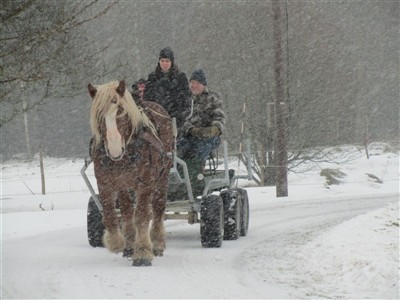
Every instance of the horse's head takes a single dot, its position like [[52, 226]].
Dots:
[[114, 117]]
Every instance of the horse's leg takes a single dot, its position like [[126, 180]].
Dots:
[[128, 227], [158, 203], [112, 238], [142, 251]]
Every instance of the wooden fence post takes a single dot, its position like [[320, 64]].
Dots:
[[42, 170]]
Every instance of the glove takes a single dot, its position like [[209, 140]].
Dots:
[[205, 132]]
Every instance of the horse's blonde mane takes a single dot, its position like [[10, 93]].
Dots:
[[102, 103]]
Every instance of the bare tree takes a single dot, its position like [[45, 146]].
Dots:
[[37, 42], [342, 75]]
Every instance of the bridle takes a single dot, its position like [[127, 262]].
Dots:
[[144, 135]]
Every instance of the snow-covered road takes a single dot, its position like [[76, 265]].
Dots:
[[55, 260], [339, 241]]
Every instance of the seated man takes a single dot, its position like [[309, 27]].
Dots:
[[203, 127]]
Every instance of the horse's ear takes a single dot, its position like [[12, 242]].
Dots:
[[92, 90], [121, 88]]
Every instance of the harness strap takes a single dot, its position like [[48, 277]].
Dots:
[[155, 142], [152, 140]]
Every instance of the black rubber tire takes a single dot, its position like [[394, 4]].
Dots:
[[244, 212], [232, 207], [95, 227], [211, 221]]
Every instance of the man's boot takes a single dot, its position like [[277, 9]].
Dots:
[[195, 168]]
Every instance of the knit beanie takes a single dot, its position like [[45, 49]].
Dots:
[[167, 53], [199, 76], [141, 80]]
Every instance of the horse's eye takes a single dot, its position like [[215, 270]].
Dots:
[[114, 100]]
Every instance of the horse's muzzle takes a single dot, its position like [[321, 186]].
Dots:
[[117, 157]]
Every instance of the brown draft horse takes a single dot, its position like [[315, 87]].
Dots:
[[131, 151]]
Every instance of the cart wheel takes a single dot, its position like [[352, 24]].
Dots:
[[211, 221], [244, 212], [231, 200], [95, 227]]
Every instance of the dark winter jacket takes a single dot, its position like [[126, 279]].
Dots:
[[170, 90], [207, 111]]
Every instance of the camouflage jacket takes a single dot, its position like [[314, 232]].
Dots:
[[206, 111]]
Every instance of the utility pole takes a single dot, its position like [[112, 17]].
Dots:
[[280, 106], [137, 37]]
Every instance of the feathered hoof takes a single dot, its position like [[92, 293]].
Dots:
[[158, 247], [128, 252], [141, 262], [115, 242], [158, 252]]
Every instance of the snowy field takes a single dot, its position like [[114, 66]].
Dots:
[[338, 241]]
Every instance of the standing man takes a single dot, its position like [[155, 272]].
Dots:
[[169, 87]]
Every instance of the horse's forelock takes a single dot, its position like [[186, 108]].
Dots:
[[100, 106]]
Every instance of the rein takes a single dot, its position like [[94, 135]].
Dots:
[[155, 112], [145, 136]]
